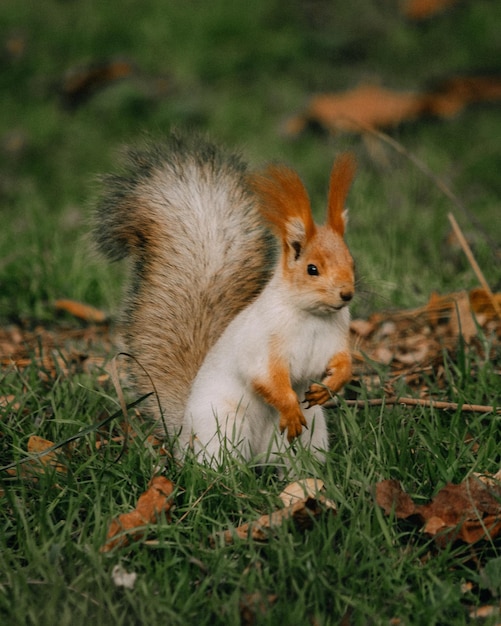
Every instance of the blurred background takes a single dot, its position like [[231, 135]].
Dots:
[[412, 87]]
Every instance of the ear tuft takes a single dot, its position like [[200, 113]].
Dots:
[[284, 202], [343, 172]]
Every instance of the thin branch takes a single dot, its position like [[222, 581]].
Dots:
[[432, 404], [476, 268]]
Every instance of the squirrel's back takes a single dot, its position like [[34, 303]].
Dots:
[[183, 212]]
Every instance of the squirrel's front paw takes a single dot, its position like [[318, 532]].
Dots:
[[292, 421], [337, 375], [317, 394]]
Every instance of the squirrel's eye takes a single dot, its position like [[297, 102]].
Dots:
[[312, 270]]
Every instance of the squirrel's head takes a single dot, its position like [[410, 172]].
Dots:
[[316, 262]]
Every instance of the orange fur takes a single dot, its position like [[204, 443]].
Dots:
[[276, 389], [284, 199], [337, 375], [341, 178]]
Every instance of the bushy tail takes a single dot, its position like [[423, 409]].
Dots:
[[183, 211]]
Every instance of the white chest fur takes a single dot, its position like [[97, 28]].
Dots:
[[223, 404]]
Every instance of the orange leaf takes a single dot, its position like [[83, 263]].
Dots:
[[36, 445], [82, 311], [155, 500], [369, 107], [422, 9], [481, 303], [355, 110]]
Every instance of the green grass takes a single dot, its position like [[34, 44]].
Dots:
[[238, 70], [357, 562]]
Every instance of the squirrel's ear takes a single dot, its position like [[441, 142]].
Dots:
[[342, 175], [284, 203], [295, 238]]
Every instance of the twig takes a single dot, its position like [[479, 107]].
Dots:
[[81, 433], [434, 404], [476, 268]]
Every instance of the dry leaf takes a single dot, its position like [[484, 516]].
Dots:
[[82, 311], [304, 502], [470, 511], [371, 107], [303, 489], [36, 445], [423, 9], [481, 303], [456, 310], [483, 612], [81, 82], [29, 469], [366, 106], [415, 343], [154, 501], [253, 606], [9, 402]]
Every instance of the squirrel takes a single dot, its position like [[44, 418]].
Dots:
[[231, 330]]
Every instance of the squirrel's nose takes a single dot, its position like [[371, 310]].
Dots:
[[346, 295]]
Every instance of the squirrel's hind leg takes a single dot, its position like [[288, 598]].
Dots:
[[223, 430]]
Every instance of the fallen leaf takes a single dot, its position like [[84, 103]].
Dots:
[[306, 502], [415, 344], [9, 402], [81, 82], [454, 309], [37, 445], [82, 311], [365, 106], [369, 107], [483, 612], [423, 9], [301, 489], [150, 505], [30, 469], [482, 303], [254, 606], [55, 351], [470, 511]]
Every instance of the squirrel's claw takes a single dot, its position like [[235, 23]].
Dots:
[[293, 422], [317, 394]]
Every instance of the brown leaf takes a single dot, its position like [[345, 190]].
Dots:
[[481, 303], [366, 106], [82, 311], [9, 401], [253, 606], [369, 107], [455, 310], [81, 82], [423, 9], [306, 503], [30, 469], [154, 501], [470, 511], [390, 496], [36, 445]]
